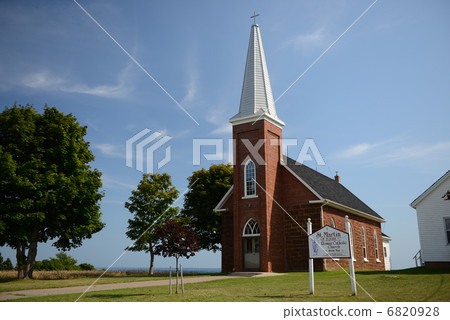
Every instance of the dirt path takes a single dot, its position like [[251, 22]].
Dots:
[[112, 286]]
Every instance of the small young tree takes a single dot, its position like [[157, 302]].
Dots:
[[177, 238], [150, 204]]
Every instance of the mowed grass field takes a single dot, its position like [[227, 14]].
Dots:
[[61, 279], [405, 285]]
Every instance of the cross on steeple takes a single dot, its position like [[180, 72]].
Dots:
[[254, 17]]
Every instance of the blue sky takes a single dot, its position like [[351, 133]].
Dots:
[[376, 103]]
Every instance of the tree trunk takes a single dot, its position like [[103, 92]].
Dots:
[[20, 257], [176, 285], [32, 252], [152, 260]]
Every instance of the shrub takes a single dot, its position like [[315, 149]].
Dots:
[[86, 266], [62, 262]]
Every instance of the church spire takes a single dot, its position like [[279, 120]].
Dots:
[[256, 98]]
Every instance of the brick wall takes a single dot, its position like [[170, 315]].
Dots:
[[297, 251], [357, 223], [227, 237], [261, 208]]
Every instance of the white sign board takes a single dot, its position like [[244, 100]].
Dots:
[[329, 242]]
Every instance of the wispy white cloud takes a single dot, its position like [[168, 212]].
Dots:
[[419, 152], [306, 42], [226, 128], [394, 151], [192, 87], [192, 83], [357, 150], [110, 149], [218, 117], [48, 81], [110, 182]]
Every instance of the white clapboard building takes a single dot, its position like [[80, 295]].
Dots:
[[433, 218]]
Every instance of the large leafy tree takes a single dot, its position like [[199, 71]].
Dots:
[[48, 190], [207, 189], [150, 204]]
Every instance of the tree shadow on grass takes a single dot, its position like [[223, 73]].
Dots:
[[435, 292], [114, 296], [419, 270]]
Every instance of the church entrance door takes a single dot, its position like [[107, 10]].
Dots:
[[251, 253], [250, 245]]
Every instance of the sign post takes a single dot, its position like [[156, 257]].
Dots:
[[328, 243], [350, 261], [311, 261]]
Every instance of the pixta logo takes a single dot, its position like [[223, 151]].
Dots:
[[307, 152], [141, 148]]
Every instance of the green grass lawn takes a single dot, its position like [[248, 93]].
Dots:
[[406, 285], [29, 284]]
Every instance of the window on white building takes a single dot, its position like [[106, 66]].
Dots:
[[447, 229]]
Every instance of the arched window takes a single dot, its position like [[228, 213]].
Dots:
[[333, 223], [364, 243], [375, 238], [249, 178], [251, 229]]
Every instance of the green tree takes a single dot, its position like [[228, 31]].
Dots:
[[201, 199], [68, 262], [86, 266], [5, 265], [150, 204], [177, 238], [48, 191]]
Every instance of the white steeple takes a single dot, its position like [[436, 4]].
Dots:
[[256, 98]]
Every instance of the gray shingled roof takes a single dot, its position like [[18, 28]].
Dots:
[[328, 188]]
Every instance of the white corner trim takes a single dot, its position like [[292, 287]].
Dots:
[[430, 189], [256, 117]]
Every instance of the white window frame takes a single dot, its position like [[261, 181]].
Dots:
[[364, 243], [377, 252], [254, 227], [246, 194]]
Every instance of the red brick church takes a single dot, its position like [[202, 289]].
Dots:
[[270, 191]]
